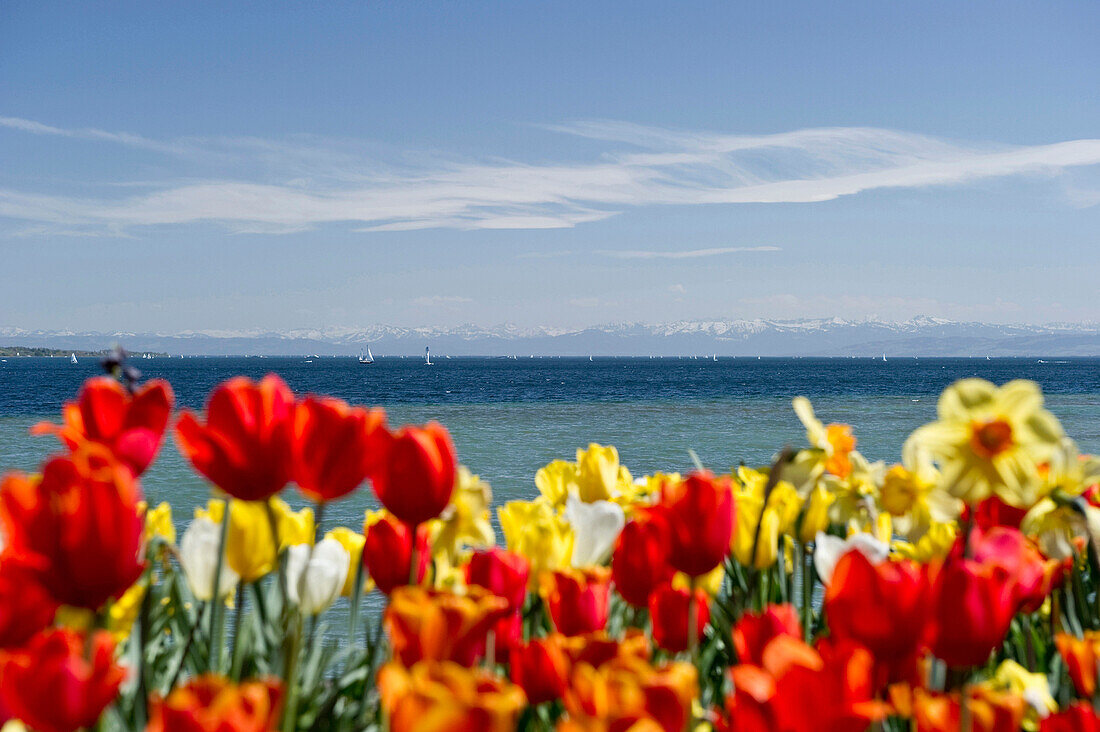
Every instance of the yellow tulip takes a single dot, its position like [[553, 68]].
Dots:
[[535, 530], [816, 516], [465, 521], [597, 473], [777, 518], [249, 548], [352, 541], [935, 543], [556, 481]]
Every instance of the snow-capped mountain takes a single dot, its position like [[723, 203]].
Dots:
[[923, 336]]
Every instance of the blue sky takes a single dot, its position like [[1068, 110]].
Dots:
[[242, 166]]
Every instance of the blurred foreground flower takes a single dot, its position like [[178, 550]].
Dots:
[[212, 703], [440, 696]]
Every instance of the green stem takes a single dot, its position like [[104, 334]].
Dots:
[[808, 595], [217, 607], [237, 612], [356, 599]]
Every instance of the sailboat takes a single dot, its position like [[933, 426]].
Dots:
[[884, 357], [715, 357], [368, 359], [72, 359], [428, 357]]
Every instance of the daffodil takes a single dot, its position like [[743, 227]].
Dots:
[[124, 611], [758, 526], [991, 440], [911, 494], [535, 530], [465, 521], [158, 522], [934, 543], [815, 517], [835, 441]]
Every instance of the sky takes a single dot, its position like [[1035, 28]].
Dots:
[[257, 166]]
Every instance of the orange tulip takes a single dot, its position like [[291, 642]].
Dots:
[[416, 474], [25, 605], [212, 703], [700, 515], [987, 711], [800, 689], [52, 687], [130, 426], [578, 599], [79, 527], [387, 553], [598, 648], [441, 626], [628, 691], [335, 447], [541, 668], [970, 608], [1081, 656], [882, 607], [245, 445], [1077, 717], [754, 631], [441, 696], [639, 563], [669, 609]]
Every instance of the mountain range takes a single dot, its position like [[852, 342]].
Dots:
[[923, 336]]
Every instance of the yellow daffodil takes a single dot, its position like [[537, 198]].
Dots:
[[249, 548], [1033, 687], [597, 473], [535, 530], [124, 611], [815, 519], [158, 522], [352, 541], [759, 525], [991, 440], [934, 543], [465, 522], [835, 441], [644, 491]]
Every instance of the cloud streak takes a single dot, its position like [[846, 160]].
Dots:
[[283, 186], [687, 254]]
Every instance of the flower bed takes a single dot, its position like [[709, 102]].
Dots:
[[954, 591]]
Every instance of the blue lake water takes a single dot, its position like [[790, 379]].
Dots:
[[510, 417]]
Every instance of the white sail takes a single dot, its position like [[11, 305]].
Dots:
[[72, 359], [427, 356]]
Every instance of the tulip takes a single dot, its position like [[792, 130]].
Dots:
[[815, 517], [212, 703], [445, 697], [388, 555], [244, 446], [1077, 717], [249, 548], [629, 693], [335, 447], [1081, 656], [829, 549], [465, 520], [315, 575], [1031, 576], [596, 526], [79, 527], [416, 474], [541, 668], [25, 605], [51, 686], [199, 559], [669, 609], [534, 530], [597, 473], [971, 606], [557, 481], [130, 426], [986, 711], [880, 606], [639, 563], [700, 515], [754, 631], [578, 600], [353, 544], [501, 572], [441, 626]]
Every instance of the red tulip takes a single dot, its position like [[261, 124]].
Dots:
[[669, 608], [79, 528], [970, 608], [335, 447], [754, 631], [700, 515], [214, 704], [639, 563], [25, 605], [442, 626], [994, 512], [245, 445], [1077, 717], [130, 426], [416, 475], [501, 572], [52, 687], [387, 553], [1031, 576], [880, 606], [597, 648], [578, 599], [541, 668]]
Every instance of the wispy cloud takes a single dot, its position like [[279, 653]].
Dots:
[[685, 254], [429, 300], [285, 186]]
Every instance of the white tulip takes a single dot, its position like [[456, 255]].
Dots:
[[596, 526], [829, 549], [315, 575], [199, 558]]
